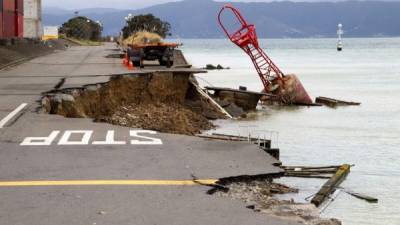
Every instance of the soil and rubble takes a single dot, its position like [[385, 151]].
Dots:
[[161, 101], [169, 102], [259, 193], [140, 38], [167, 118]]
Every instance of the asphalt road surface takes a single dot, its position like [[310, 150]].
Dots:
[[55, 170]]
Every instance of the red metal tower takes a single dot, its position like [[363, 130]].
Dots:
[[274, 80], [246, 38]]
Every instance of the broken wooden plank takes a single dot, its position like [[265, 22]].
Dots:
[[312, 169], [220, 138], [309, 167], [331, 102], [238, 91], [264, 143], [330, 186], [309, 104], [332, 198], [212, 101], [309, 172], [361, 196], [231, 138], [307, 176], [249, 138]]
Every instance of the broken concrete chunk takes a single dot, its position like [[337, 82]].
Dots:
[[63, 104], [235, 110], [46, 104], [92, 87], [64, 97], [244, 100]]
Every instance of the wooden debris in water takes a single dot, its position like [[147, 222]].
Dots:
[[331, 185], [310, 172], [331, 102], [361, 196]]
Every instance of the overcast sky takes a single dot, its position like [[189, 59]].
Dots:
[[127, 4], [78, 4]]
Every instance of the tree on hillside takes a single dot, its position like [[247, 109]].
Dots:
[[81, 27], [148, 23]]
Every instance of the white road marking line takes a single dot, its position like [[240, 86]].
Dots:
[[4, 121]]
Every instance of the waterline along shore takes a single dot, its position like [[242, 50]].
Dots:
[[121, 142]]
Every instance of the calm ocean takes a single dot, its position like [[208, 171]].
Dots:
[[368, 71]]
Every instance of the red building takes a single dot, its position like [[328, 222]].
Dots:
[[11, 18]]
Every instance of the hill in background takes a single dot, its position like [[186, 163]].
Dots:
[[197, 18]]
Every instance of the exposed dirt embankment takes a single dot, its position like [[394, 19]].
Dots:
[[162, 101]]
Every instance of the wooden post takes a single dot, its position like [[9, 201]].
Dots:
[[331, 185]]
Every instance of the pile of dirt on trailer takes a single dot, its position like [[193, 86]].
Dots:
[[155, 101], [259, 196], [142, 37], [13, 51]]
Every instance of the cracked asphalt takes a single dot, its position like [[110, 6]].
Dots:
[[38, 147]]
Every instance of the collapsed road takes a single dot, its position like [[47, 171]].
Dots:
[[59, 170], [165, 101]]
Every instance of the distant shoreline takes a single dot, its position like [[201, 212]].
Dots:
[[299, 38]]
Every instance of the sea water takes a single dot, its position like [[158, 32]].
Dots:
[[368, 136]]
